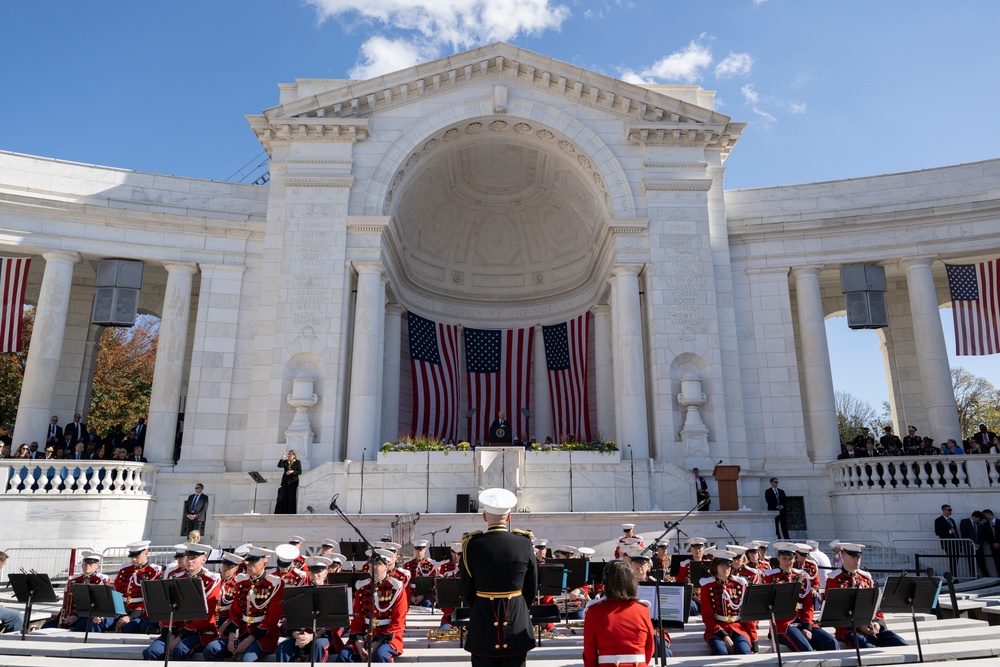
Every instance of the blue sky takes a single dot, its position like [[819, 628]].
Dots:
[[831, 90]]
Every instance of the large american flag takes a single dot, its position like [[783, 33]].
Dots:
[[566, 359], [975, 306], [498, 363], [13, 279], [434, 362]]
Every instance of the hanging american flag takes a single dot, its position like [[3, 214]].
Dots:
[[498, 363], [434, 362], [566, 359], [13, 279], [975, 306]]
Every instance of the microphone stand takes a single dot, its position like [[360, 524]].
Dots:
[[673, 525], [434, 533], [632, 465], [370, 624], [361, 500], [722, 524], [428, 506]]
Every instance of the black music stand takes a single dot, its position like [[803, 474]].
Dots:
[[903, 594], [596, 572], [169, 600], [769, 602], [258, 479], [354, 551], [849, 607], [577, 572], [675, 563], [322, 606], [96, 600], [342, 578], [422, 586], [31, 587], [699, 570], [439, 553], [449, 596]]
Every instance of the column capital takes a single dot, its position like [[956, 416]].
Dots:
[[626, 269], [222, 268], [61, 257], [811, 270], [921, 261], [368, 268], [181, 267], [394, 309], [602, 309]]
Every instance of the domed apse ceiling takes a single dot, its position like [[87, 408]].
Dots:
[[490, 219]]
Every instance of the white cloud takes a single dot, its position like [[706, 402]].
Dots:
[[797, 107], [735, 64], [628, 76], [750, 96], [758, 3], [607, 7], [380, 55], [687, 65]]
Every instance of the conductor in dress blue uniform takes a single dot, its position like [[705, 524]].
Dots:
[[498, 579]]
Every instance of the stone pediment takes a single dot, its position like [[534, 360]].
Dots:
[[340, 110]]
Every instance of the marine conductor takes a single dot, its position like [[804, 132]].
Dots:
[[498, 579]]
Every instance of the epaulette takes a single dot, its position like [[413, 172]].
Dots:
[[738, 579], [214, 576], [243, 576], [396, 583], [644, 602], [361, 583], [468, 536], [523, 533], [865, 574], [706, 581], [591, 603], [771, 572]]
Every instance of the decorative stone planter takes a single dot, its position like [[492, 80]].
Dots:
[[565, 458], [420, 458]]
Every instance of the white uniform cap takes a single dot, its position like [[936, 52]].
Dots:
[[135, 547], [850, 546], [497, 501], [88, 554], [691, 541], [761, 544], [750, 546], [736, 549], [789, 547], [318, 562], [456, 547], [813, 543], [564, 549], [231, 559], [287, 552], [804, 548], [835, 544], [386, 538], [392, 546], [629, 541], [243, 550], [721, 555], [180, 549], [420, 544], [383, 555], [329, 542], [338, 558], [197, 549], [663, 543], [635, 552], [257, 553], [295, 539], [586, 552], [628, 526]]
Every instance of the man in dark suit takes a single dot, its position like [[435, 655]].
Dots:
[[778, 502], [989, 524], [195, 511], [54, 435], [850, 452], [974, 528], [984, 437], [76, 428], [946, 529], [500, 430], [140, 431], [137, 455], [499, 577]]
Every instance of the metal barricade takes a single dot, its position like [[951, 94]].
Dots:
[[54, 562], [955, 555], [116, 557]]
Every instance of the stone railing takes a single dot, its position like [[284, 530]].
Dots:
[[77, 478], [915, 473]]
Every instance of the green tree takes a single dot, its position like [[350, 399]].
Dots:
[[123, 377], [854, 413], [978, 401], [12, 372]]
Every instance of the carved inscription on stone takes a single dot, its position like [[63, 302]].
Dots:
[[686, 282], [309, 296]]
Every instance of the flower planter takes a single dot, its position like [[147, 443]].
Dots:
[[420, 458], [576, 457]]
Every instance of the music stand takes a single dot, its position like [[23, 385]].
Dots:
[[673, 604], [96, 600], [449, 596], [849, 606], [312, 606], [31, 587], [769, 602], [422, 586], [699, 570], [169, 600], [596, 572], [576, 572], [903, 594], [258, 480], [675, 563], [440, 553], [342, 578]]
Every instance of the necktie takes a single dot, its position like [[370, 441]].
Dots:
[[194, 503]]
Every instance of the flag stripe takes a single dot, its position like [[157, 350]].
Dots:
[[566, 359], [434, 365], [975, 304], [13, 280]]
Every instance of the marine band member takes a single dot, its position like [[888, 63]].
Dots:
[[721, 601], [875, 634], [90, 566], [384, 638], [128, 582], [302, 645], [797, 632], [696, 546], [420, 566], [628, 537]]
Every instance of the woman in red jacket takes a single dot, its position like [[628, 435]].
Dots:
[[617, 629]]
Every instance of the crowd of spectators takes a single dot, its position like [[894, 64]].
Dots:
[[74, 440], [984, 441]]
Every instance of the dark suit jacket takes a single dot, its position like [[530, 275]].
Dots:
[[774, 499], [966, 530], [201, 510], [941, 528], [847, 456], [140, 435], [58, 436], [78, 431]]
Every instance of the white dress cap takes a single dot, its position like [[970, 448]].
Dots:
[[87, 554], [736, 549], [497, 501], [287, 552], [456, 547], [295, 539], [419, 544], [318, 562], [329, 542], [141, 545], [628, 526], [691, 541]]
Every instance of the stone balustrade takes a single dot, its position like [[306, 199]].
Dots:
[[77, 478], [895, 474]]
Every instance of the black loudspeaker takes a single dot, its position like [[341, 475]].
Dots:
[[864, 288], [463, 504]]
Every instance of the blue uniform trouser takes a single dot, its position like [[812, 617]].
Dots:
[[136, 625], [12, 620], [218, 650], [883, 639], [821, 640], [741, 645], [288, 651], [184, 649], [383, 653]]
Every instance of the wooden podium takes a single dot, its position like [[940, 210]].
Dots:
[[729, 496]]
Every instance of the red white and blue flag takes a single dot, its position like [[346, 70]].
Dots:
[[975, 307], [13, 279], [498, 364], [566, 359], [434, 362]]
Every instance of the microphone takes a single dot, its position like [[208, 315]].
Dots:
[[448, 529], [333, 502], [309, 508], [718, 524]]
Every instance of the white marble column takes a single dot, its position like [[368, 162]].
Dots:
[[363, 422], [824, 440], [42, 367], [940, 411], [541, 422], [604, 371], [390, 372], [629, 367], [165, 395]]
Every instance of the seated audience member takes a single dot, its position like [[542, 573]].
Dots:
[[22, 451], [927, 448], [11, 619], [890, 439], [911, 441], [972, 447], [951, 447]]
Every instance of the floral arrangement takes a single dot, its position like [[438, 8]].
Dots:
[[429, 444]]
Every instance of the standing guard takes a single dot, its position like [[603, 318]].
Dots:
[[499, 576]]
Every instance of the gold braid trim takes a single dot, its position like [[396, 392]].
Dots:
[[465, 542], [523, 533]]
